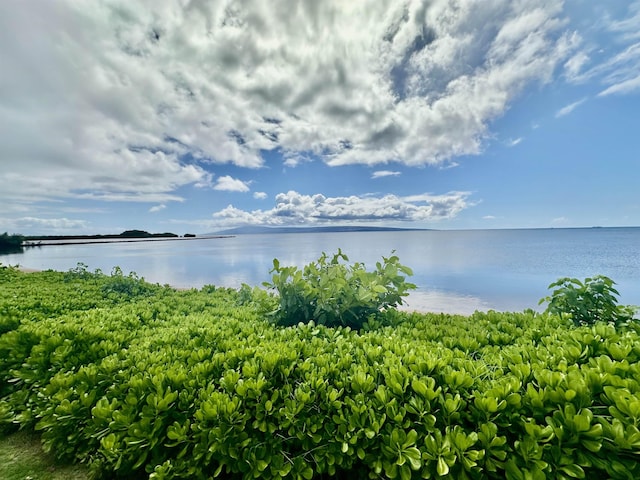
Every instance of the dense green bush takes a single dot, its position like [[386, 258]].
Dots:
[[588, 302], [116, 286], [331, 293], [196, 384], [11, 243]]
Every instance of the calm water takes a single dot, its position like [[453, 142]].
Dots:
[[456, 271]]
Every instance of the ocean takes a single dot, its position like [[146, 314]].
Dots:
[[456, 271]]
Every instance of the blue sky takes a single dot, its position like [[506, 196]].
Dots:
[[196, 116]]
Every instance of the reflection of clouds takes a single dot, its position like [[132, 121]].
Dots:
[[456, 272], [443, 302], [445, 251]]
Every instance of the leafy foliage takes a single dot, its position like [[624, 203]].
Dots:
[[127, 286], [197, 384], [11, 243], [331, 293], [588, 302], [117, 286]]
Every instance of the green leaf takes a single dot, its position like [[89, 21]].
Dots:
[[405, 472], [442, 467], [573, 470], [415, 457]]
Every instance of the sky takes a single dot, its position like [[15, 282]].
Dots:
[[193, 116]]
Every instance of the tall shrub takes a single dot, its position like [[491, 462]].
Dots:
[[335, 294], [588, 302], [11, 243]]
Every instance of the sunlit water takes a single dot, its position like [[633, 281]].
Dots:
[[456, 271]]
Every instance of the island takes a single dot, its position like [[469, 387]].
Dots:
[[126, 236]]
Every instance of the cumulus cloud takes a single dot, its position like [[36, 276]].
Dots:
[[260, 195], [118, 98], [384, 173], [293, 208], [569, 108], [230, 184]]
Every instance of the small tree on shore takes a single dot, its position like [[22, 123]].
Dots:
[[11, 243], [331, 293], [588, 302]]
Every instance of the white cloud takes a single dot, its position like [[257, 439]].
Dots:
[[110, 97], [513, 142], [574, 65], [231, 184], [384, 173], [616, 66], [629, 27], [260, 195], [489, 217], [157, 208], [627, 86], [35, 224], [293, 208], [569, 108], [619, 73]]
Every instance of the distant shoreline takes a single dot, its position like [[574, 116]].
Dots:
[[45, 243]]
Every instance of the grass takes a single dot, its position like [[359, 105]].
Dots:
[[22, 458]]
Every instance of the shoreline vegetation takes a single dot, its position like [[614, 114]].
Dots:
[[106, 239], [139, 380], [125, 234], [16, 243], [11, 243]]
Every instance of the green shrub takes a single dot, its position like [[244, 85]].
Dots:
[[197, 384], [127, 286], [334, 294], [588, 302], [11, 243]]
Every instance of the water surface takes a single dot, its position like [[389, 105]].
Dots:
[[456, 271]]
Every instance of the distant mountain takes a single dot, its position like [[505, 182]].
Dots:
[[351, 228]]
